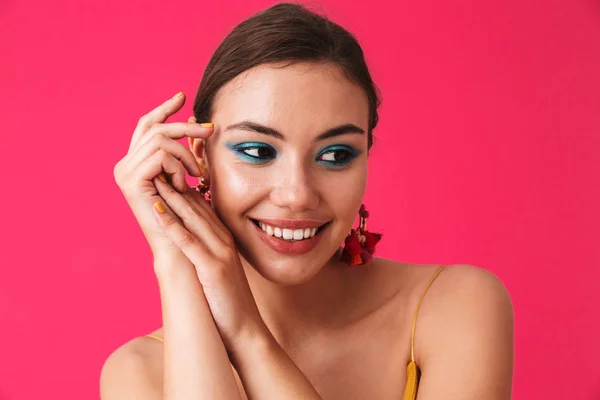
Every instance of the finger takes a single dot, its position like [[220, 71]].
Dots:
[[215, 220], [147, 170], [199, 202], [156, 198], [176, 149], [159, 114], [193, 219], [176, 130], [156, 164], [191, 245]]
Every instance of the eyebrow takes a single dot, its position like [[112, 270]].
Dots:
[[265, 130]]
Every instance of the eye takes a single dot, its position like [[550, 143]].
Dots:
[[337, 155], [254, 152], [258, 152]]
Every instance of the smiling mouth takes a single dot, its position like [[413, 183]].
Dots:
[[289, 235]]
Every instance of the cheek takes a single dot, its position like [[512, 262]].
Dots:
[[344, 192], [230, 181], [234, 187]]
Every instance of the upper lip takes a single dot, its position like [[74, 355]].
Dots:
[[292, 223]]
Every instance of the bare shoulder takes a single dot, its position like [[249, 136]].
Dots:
[[465, 295], [463, 301], [132, 371], [466, 315], [463, 290], [460, 277]]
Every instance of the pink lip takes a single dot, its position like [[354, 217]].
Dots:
[[292, 223], [285, 247]]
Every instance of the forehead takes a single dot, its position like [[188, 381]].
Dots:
[[300, 94]]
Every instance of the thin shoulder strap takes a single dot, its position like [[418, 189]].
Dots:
[[155, 337], [412, 336]]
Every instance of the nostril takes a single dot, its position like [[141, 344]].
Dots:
[[297, 198]]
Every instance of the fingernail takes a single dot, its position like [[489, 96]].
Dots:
[[178, 95], [161, 176], [207, 125], [200, 167], [159, 207]]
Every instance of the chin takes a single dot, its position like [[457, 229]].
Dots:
[[286, 272]]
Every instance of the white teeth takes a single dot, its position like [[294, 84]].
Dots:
[[288, 234]]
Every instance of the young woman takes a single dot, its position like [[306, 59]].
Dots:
[[260, 300]]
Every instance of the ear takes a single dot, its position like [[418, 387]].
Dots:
[[198, 149]]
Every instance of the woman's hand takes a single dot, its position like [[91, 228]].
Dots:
[[265, 369], [154, 149], [208, 244]]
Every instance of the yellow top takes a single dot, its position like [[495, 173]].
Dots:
[[156, 337], [412, 370]]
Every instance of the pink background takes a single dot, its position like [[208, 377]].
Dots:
[[488, 153]]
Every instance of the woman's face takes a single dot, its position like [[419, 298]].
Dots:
[[288, 158]]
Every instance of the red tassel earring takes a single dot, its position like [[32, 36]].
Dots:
[[359, 245], [203, 187]]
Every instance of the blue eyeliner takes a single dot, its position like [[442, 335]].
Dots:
[[241, 150], [350, 154], [264, 153]]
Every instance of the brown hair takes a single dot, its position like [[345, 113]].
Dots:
[[285, 32]]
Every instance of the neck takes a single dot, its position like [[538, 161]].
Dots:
[[325, 301]]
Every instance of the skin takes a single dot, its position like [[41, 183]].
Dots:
[[346, 329]]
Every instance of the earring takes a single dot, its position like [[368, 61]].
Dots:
[[359, 245], [204, 188]]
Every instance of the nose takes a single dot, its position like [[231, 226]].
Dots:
[[295, 189]]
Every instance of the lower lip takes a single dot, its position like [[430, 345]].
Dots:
[[285, 247]]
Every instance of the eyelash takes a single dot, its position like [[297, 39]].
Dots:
[[242, 148], [350, 154]]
